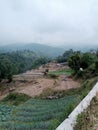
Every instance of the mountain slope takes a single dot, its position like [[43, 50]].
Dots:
[[37, 48]]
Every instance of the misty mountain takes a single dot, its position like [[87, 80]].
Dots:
[[37, 48], [80, 47]]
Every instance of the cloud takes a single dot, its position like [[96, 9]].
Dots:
[[49, 21]]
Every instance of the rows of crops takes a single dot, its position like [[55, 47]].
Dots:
[[5, 112], [37, 114]]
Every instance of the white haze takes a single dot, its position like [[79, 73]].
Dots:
[[52, 22]]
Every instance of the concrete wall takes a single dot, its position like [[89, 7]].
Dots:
[[68, 123]]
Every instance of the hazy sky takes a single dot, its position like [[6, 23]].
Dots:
[[49, 21]]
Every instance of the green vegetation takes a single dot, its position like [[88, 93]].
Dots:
[[45, 114], [40, 61], [62, 71], [5, 112], [19, 62], [39, 114], [87, 86], [84, 64], [52, 75], [64, 58], [55, 74], [88, 119], [15, 99], [39, 49]]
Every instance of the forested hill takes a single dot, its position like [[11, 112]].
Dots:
[[37, 48], [18, 62]]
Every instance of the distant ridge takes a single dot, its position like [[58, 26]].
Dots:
[[35, 47]]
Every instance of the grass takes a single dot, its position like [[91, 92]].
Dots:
[[15, 99], [63, 71], [88, 119], [52, 76]]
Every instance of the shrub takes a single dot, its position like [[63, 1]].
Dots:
[[54, 76], [16, 98]]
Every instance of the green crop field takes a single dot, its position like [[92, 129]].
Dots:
[[63, 71], [5, 112], [37, 114]]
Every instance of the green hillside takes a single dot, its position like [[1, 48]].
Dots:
[[19, 62], [37, 48]]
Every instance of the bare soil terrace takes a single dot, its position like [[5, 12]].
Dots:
[[33, 82]]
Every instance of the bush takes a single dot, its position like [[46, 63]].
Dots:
[[54, 76], [16, 98], [96, 65]]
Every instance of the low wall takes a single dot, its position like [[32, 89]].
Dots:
[[69, 123]]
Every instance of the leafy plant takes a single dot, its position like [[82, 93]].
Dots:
[[15, 99]]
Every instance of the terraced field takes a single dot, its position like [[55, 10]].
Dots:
[[5, 112], [67, 72], [38, 114]]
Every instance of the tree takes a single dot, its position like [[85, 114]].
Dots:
[[67, 54], [86, 60], [75, 61], [96, 65], [97, 54], [82, 61], [10, 77]]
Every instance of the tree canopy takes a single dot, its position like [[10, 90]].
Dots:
[[19, 62]]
